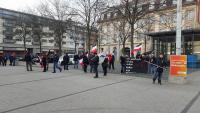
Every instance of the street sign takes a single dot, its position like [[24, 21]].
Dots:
[[178, 65]]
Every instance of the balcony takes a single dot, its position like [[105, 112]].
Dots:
[[9, 41], [36, 43]]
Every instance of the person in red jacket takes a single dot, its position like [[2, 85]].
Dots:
[[111, 60]]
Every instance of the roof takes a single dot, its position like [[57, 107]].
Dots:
[[173, 33]]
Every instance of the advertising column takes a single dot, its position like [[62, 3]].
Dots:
[[178, 69]]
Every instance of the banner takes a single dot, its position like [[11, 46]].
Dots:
[[178, 65]]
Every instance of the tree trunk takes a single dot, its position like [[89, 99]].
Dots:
[[24, 39], [60, 45], [145, 44], [132, 39], [75, 48], [123, 48], [40, 44], [88, 39]]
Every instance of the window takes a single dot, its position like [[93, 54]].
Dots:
[[43, 40], [174, 2], [189, 15], [174, 18], [151, 5], [51, 41], [162, 19], [63, 43], [105, 16]]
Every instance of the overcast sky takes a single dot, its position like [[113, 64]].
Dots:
[[18, 4]]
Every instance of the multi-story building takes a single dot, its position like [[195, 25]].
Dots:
[[17, 26], [159, 20]]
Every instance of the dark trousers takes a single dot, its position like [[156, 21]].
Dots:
[[45, 67], [91, 68], [158, 75], [123, 68], [66, 66], [105, 70], [111, 64], [13, 63], [29, 65], [85, 68], [4, 62], [76, 64], [96, 70]]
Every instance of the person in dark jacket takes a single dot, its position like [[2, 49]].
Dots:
[[55, 63], [28, 59], [44, 62], [76, 59], [91, 63], [14, 59], [105, 66], [11, 60], [153, 63], [85, 63], [1, 60], [66, 61], [95, 61], [161, 63], [123, 64]]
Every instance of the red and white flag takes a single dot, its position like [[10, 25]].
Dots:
[[94, 49]]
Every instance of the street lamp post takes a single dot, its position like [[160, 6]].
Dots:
[[178, 27]]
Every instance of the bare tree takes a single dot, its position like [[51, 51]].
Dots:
[[145, 26], [89, 11], [23, 28], [122, 27], [37, 31], [59, 11], [133, 11]]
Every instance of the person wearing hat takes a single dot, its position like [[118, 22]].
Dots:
[[95, 61]]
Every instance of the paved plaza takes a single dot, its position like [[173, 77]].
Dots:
[[76, 92]]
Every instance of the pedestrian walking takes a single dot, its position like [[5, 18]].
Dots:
[[5, 60], [95, 61], [123, 64], [85, 62], [153, 63], [105, 66], [55, 63], [66, 61], [44, 62], [11, 60], [28, 59], [161, 64], [76, 59], [1, 60], [14, 59], [90, 57]]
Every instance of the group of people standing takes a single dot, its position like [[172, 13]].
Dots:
[[5, 57], [155, 66], [93, 60]]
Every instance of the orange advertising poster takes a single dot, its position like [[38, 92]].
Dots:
[[178, 65]]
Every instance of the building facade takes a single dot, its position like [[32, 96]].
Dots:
[[38, 33], [160, 18]]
